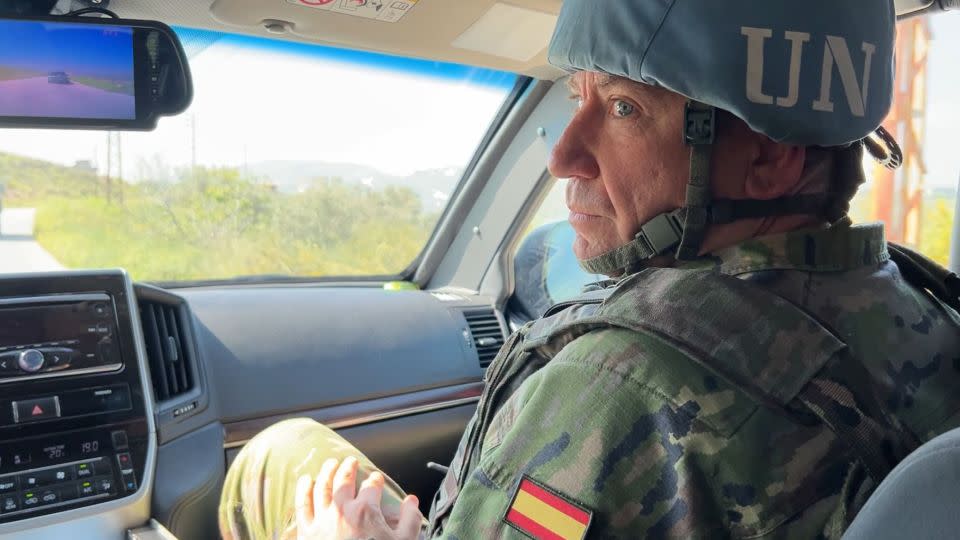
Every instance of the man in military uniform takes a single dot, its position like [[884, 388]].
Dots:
[[758, 363]]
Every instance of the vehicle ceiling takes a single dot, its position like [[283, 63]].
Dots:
[[429, 30]]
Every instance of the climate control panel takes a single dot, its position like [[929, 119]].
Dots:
[[57, 485], [52, 473]]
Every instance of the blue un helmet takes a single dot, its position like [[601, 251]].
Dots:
[[810, 72]]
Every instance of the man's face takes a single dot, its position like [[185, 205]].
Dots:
[[624, 157]]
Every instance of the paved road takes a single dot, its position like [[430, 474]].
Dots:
[[37, 97], [19, 251]]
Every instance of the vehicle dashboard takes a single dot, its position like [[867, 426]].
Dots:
[[122, 402]]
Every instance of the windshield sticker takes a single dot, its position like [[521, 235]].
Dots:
[[381, 10]]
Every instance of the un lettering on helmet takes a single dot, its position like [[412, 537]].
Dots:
[[836, 53]]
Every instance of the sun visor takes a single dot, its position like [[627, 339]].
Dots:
[[483, 33], [509, 32]]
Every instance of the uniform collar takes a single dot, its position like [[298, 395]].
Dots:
[[833, 249]]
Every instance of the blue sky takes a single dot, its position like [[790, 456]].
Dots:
[[80, 50]]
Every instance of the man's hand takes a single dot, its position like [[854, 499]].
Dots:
[[332, 509]]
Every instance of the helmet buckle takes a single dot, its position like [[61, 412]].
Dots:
[[699, 123], [662, 233]]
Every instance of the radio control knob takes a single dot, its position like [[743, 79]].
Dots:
[[31, 360]]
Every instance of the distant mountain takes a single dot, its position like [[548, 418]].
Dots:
[[433, 186]]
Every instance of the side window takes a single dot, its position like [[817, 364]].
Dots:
[[917, 202], [545, 268]]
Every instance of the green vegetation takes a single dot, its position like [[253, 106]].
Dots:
[[937, 228], [12, 73], [936, 225], [119, 87], [217, 223]]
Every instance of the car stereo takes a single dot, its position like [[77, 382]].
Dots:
[[74, 427], [57, 335]]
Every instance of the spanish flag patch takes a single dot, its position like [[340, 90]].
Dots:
[[543, 514]]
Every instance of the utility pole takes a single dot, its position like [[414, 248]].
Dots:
[[193, 142], [120, 167], [109, 163], [114, 164]]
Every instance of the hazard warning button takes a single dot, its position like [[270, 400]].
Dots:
[[31, 410]]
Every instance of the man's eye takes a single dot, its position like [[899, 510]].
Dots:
[[622, 108]]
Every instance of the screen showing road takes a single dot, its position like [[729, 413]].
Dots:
[[63, 70]]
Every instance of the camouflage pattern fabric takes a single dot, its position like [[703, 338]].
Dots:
[[628, 405], [257, 502]]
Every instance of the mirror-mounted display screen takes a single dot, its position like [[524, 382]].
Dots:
[[90, 73]]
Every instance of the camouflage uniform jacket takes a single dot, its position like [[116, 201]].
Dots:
[[618, 411]]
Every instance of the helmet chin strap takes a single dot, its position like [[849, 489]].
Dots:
[[681, 233], [683, 229]]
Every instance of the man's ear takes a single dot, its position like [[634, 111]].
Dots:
[[775, 171]]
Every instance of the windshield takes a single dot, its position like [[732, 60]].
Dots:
[[293, 160]]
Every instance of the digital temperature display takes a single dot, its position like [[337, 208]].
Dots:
[[89, 447], [55, 452], [62, 452]]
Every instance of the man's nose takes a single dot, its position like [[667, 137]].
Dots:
[[573, 156]]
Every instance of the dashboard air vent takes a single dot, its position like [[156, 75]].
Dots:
[[486, 332], [167, 353]]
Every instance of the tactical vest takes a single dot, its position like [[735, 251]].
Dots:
[[729, 330]]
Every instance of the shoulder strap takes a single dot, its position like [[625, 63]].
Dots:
[[858, 419], [591, 297], [920, 271]]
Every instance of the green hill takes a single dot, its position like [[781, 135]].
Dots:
[[27, 179], [217, 223]]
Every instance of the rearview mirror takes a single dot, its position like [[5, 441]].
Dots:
[[85, 73]]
